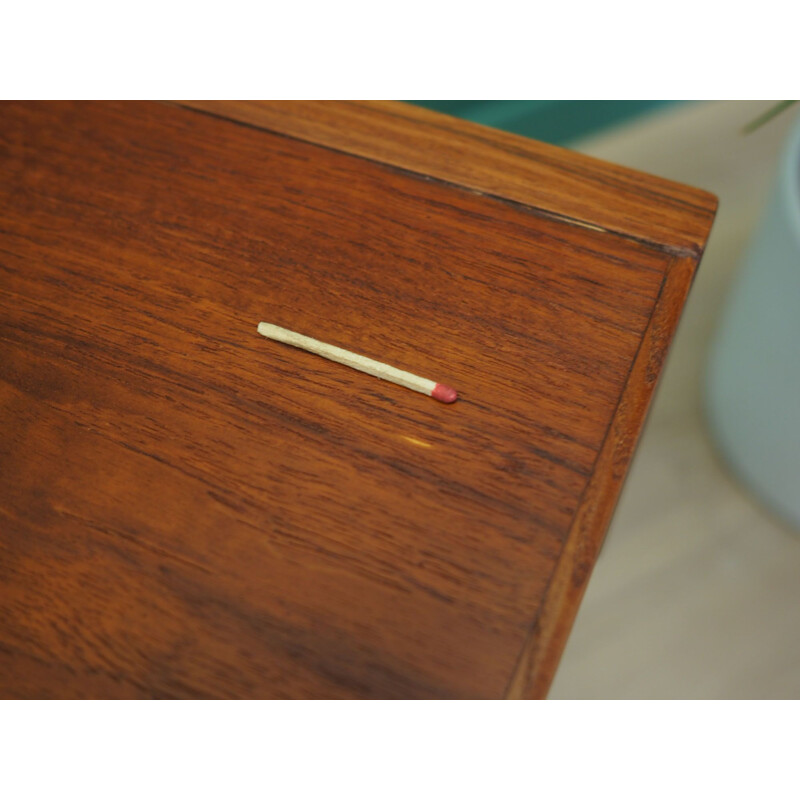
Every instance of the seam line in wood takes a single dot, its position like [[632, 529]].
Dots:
[[663, 247], [473, 134]]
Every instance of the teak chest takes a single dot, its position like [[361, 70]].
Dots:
[[190, 510]]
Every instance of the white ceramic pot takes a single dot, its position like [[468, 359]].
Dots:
[[753, 390]]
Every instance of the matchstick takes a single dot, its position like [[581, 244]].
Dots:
[[438, 391]]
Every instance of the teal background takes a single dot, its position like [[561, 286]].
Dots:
[[554, 121]]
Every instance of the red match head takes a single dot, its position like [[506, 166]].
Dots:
[[444, 394]]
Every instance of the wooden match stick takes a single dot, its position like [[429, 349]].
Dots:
[[438, 391]]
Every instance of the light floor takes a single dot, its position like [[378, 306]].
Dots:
[[696, 593]]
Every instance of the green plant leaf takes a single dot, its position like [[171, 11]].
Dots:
[[768, 115]]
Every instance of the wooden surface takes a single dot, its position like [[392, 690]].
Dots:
[[539, 176], [189, 510]]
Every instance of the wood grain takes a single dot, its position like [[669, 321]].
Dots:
[[188, 510], [540, 176]]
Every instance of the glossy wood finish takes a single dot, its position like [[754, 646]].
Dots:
[[189, 510], [549, 179]]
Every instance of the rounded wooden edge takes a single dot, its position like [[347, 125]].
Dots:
[[547, 638]]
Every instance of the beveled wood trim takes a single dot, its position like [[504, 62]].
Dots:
[[548, 179], [548, 635]]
